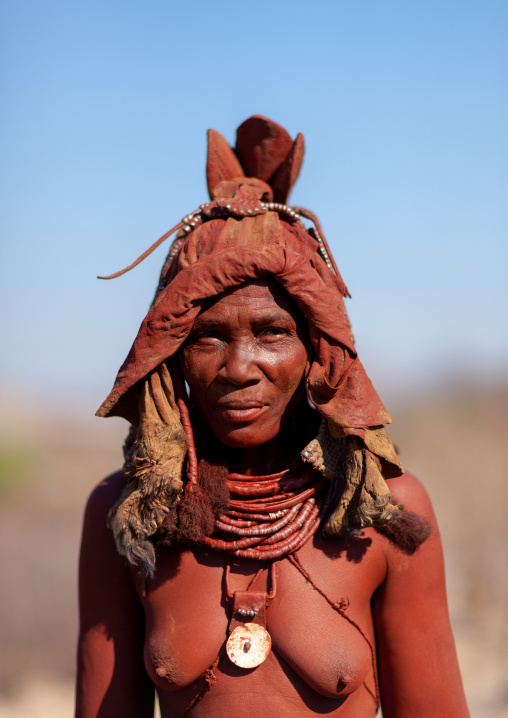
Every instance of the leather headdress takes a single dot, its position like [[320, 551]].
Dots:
[[247, 232]]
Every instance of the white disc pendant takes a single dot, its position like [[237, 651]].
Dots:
[[248, 645]]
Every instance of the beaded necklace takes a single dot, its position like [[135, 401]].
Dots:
[[270, 516]]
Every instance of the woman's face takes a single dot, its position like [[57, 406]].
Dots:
[[244, 362]]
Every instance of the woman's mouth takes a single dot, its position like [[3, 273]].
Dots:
[[239, 412]]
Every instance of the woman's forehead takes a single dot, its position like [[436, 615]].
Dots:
[[266, 291], [258, 296]]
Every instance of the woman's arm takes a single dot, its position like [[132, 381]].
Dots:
[[418, 669], [112, 680]]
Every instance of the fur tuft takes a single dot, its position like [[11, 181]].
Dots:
[[195, 515], [408, 531], [141, 555]]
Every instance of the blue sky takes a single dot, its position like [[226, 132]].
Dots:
[[105, 107]]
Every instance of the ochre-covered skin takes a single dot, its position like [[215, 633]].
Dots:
[[253, 316], [319, 662]]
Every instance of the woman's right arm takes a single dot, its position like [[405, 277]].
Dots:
[[112, 680]]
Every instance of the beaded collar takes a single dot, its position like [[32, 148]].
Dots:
[[270, 517]]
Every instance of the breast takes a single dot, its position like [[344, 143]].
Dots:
[[330, 657], [187, 624], [332, 651], [332, 667], [173, 663], [186, 621]]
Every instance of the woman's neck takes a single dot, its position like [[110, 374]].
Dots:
[[262, 460], [278, 453]]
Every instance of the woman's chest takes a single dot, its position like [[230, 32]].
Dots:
[[318, 615]]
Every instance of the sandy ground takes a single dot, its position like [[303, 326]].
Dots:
[[455, 442]]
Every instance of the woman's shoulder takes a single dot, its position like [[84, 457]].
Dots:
[[97, 543], [409, 491], [104, 495], [414, 525]]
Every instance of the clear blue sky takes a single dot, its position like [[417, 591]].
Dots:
[[105, 106]]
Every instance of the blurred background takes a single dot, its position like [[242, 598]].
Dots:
[[105, 106]]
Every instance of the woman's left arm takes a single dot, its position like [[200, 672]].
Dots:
[[418, 669]]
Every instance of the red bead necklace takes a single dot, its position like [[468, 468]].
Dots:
[[270, 517]]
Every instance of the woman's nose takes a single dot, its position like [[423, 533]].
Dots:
[[240, 366]]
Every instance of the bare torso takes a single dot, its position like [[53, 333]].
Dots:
[[320, 663], [318, 658]]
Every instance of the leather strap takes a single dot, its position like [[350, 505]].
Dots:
[[248, 601]]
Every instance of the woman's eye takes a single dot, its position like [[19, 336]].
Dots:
[[203, 338], [274, 332]]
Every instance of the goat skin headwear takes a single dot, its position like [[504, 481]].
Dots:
[[245, 233]]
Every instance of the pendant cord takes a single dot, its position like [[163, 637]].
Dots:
[[272, 568], [341, 607]]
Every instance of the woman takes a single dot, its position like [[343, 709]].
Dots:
[[267, 554]]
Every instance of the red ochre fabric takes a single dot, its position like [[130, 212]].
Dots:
[[220, 254]]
